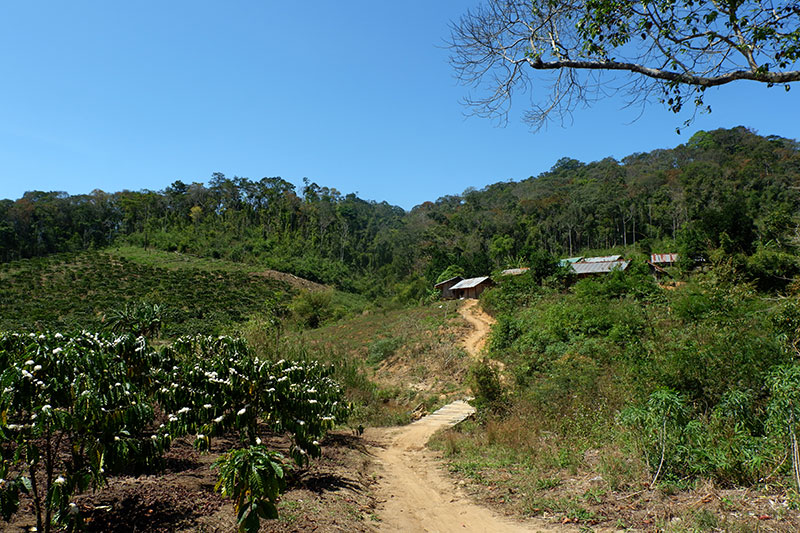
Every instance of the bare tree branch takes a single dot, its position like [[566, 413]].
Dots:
[[672, 48]]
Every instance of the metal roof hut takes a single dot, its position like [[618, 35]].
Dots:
[[514, 271], [588, 268], [446, 287], [602, 259], [664, 259], [568, 261], [472, 287]]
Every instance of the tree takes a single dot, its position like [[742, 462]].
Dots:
[[674, 49]]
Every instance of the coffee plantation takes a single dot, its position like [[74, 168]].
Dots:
[[76, 409]]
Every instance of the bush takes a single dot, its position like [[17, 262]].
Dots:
[[252, 477], [504, 332], [312, 308], [381, 349], [771, 269], [486, 386], [140, 319], [636, 281]]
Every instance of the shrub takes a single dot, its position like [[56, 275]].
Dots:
[[252, 477], [140, 319], [312, 308], [504, 332], [772, 269], [382, 348], [486, 386]]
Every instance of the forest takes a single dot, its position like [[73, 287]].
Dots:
[[724, 187]]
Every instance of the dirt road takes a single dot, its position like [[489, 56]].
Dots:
[[481, 325], [416, 495]]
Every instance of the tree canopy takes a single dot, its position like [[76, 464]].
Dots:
[[730, 189], [671, 50]]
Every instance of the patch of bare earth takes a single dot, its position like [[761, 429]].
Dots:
[[332, 495], [292, 280], [416, 495], [704, 508], [481, 324]]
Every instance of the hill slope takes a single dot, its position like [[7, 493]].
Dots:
[[78, 290]]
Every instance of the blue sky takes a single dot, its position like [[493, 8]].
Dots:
[[354, 95]]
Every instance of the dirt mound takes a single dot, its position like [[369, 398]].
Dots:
[[292, 280]]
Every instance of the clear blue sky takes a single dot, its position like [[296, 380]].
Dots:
[[356, 95]]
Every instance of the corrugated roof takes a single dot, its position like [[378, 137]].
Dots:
[[469, 283], [568, 261], [604, 259], [447, 281], [663, 258], [599, 267], [514, 271]]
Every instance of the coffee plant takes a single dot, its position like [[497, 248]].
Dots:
[[74, 410], [252, 477]]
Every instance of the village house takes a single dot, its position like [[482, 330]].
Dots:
[[568, 261], [591, 266], [446, 287], [472, 287], [514, 271], [663, 260]]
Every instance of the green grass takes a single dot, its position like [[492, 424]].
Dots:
[[76, 291], [392, 361], [177, 261]]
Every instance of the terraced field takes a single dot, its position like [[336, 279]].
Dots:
[[76, 291]]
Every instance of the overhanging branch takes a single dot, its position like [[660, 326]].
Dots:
[[667, 75]]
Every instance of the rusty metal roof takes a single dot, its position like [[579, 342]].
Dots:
[[604, 259], [469, 283], [663, 258], [599, 267]]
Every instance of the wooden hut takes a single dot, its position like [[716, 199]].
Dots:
[[585, 268], [472, 287], [446, 287]]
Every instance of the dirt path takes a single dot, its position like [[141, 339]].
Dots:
[[481, 325], [416, 495]]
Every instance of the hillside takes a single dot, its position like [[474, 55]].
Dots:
[[78, 290], [733, 182]]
